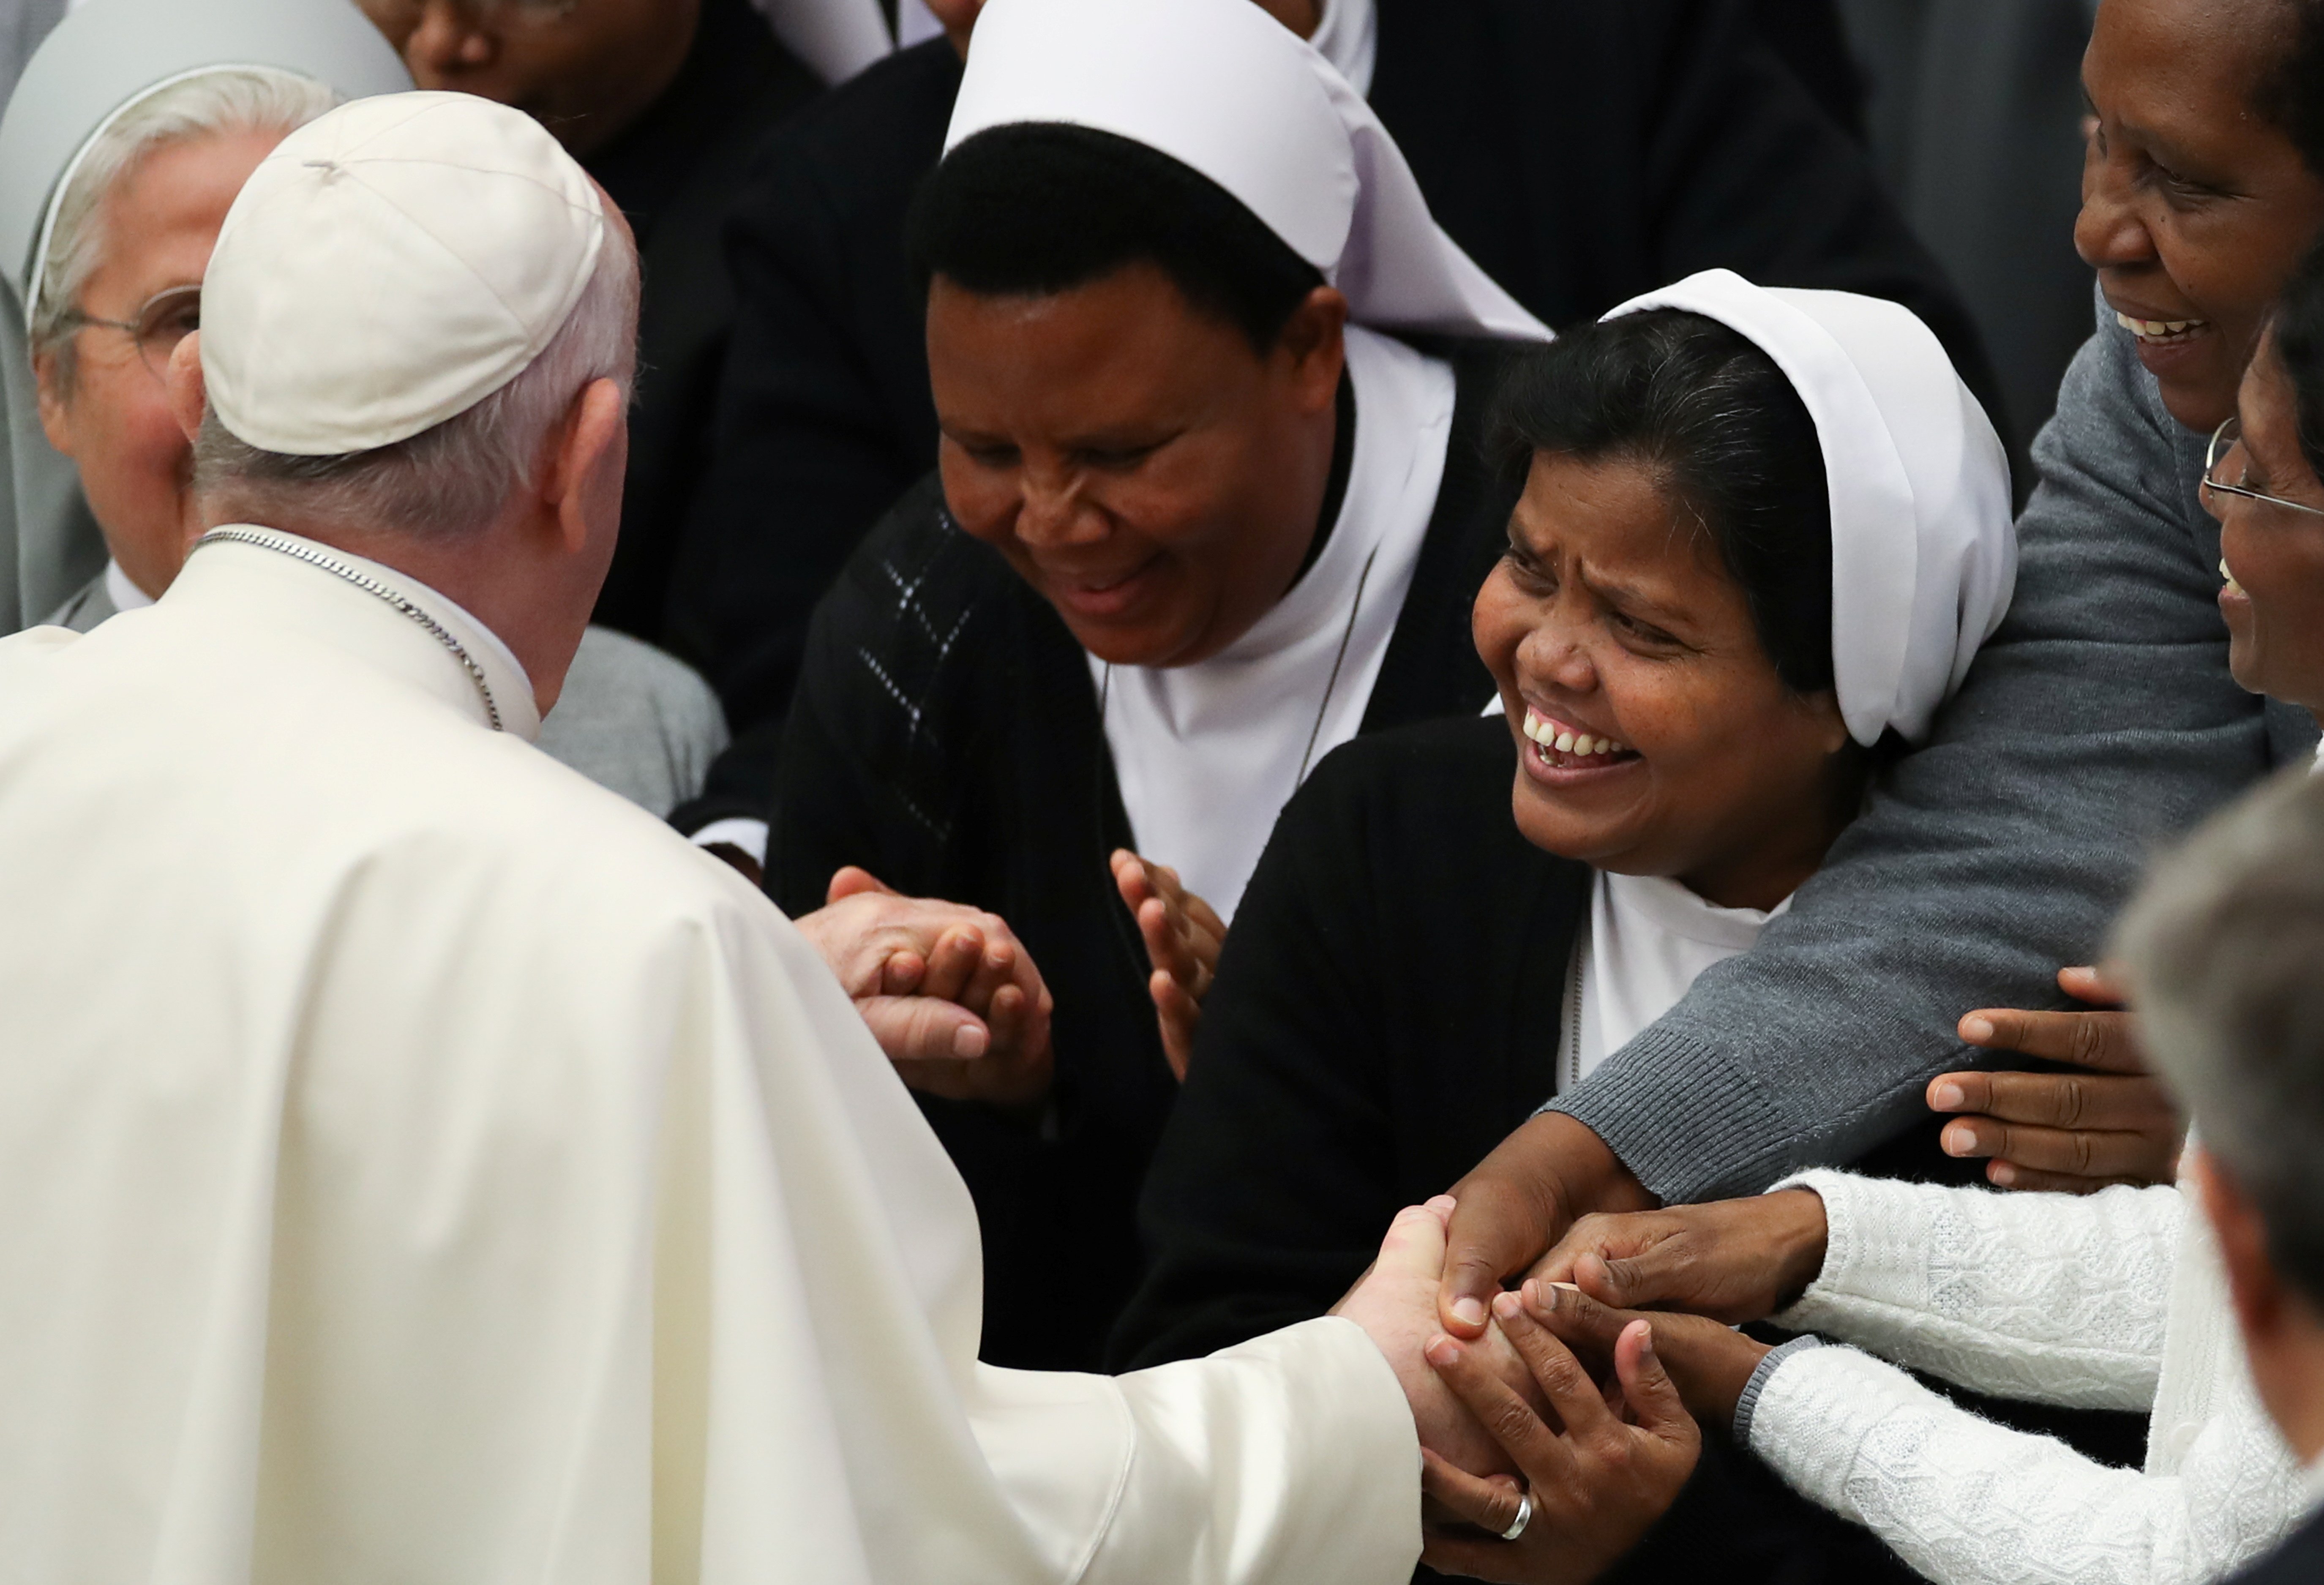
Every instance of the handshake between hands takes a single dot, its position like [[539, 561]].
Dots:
[[957, 1003], [1552, 1440]]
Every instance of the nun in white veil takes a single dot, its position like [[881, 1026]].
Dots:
[[104, 58]]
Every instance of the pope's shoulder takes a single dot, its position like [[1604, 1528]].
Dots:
[[321, 770]]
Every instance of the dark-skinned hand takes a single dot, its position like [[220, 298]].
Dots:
[[2076, 1132], [1517, 1202], [1183, 936], [1711, 1363], [1733, 1260], [1611, 1463], [949, 992]]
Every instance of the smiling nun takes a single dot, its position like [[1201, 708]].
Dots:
[[1763, 533], [1210, 503]]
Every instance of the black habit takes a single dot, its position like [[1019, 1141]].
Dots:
[[1583, 153], [947, 737], [675, 172]]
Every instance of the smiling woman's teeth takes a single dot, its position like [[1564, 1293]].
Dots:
[[1564, 739], [2161, 329], [2230, 577]]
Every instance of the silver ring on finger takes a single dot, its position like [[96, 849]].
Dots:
[[1525, 1517]]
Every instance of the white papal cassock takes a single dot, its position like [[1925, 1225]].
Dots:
[[419, 1164]]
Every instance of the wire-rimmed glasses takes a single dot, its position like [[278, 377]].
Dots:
[[164, 320], [2224, 440]]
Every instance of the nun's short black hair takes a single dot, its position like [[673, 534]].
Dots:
[[1041, 207], [1702, 407]]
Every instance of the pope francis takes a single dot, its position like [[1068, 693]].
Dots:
[[419, 1164]]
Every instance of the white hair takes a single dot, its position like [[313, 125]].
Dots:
[[455, 477], [228, 99], [2225, 948]]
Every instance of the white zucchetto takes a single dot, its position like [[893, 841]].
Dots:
[[388, 266], [1224, 88], [1923, 547]]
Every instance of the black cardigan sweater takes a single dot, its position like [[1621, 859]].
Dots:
[[946, 737], [1582, 152]]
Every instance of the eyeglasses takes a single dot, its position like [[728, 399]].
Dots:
[[167, 318], [2225, 439]]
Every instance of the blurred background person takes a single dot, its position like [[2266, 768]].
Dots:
[[1580, 154], [143, 151], [2224, 951], [664, 102], [23, 23], [1974, 111]]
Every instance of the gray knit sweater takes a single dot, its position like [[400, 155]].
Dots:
[[2099, 720]]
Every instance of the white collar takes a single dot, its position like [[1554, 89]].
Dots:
[[124, 595], [1206, 755], [1647, 939], [1677, 909], [269, 582]]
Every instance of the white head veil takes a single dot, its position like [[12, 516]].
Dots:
[[105, 58], [1923, 550], [1221, 86]]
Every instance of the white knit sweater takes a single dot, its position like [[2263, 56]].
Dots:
[[2117, 1302]]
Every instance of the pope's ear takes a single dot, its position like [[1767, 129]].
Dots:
[[183, 383], [592, 461]]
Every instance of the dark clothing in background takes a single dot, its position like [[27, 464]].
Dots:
[[1975, 111], [675, 174], [2300, 1561], [947, 737], [1581, 153], [823, 417]]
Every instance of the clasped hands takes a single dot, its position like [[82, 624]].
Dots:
[[1581, 1395], [1572, 1432], [955, 1000]]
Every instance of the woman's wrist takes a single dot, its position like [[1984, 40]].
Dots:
[[1800, 1233]]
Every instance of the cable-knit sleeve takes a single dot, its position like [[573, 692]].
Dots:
[[1967, 1502], [2050, 1298]]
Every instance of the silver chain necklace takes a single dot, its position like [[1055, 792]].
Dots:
[[373, 586]]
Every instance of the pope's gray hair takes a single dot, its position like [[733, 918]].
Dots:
[[237, 98], [455, 477], [2225, 949]]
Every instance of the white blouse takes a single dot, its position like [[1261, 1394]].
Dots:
[[1646, 939]]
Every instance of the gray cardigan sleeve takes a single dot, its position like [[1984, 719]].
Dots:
[[2099, 719]]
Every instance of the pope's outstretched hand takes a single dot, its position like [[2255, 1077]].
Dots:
[[1395, 1302]]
